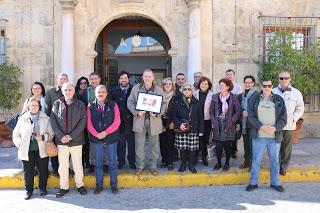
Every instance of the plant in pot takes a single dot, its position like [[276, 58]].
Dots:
[[283, 53], [10, 96]]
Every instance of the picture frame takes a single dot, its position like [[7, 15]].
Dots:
[[149, 102]]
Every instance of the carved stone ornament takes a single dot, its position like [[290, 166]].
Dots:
[[129, 1], [68, 4]]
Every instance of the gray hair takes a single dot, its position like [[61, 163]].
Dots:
[[198, 73], [185, 85], [101, 86], [66, 85], [62, 74], [284, 71]]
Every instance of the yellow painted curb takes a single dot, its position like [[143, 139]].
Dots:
[[174, 179]]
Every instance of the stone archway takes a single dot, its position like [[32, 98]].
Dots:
[[112, 57]]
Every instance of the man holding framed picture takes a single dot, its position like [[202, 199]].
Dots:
[[147, 105]]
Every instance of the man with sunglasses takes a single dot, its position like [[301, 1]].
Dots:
[[295, 108], [267, 115]]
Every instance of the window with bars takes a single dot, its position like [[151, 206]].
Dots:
[[2, 46], [302, 29]]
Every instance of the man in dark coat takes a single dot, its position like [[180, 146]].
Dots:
[[120, 95]]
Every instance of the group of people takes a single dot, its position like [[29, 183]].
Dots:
[[100, 129]]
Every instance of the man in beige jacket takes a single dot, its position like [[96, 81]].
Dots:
[[146, 122]]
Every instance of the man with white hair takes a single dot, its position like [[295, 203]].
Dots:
[[295, 108], [68, 120], [51, 96], [146, 122], [196, 77]]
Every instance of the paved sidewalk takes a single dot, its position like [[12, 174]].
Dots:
[[304, 167]]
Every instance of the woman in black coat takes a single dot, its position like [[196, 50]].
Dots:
[[187, 116]]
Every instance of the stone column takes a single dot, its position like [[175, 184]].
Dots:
[[194, 44], [67, 38]]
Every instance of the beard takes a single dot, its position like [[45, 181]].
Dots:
[[124, 83]]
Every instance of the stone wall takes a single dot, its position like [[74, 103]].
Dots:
[[229, 32]]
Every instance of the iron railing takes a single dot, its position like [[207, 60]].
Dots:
[[305, 30]]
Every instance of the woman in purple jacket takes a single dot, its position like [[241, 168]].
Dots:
[[224, 113]]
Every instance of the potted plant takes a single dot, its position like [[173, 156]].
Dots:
[[302, 63], [10, 96]]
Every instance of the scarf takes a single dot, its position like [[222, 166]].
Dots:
[[285, 89], [186, 100], [90, 94], [244, 105], [223, 100], [167, 97], [35, 123]]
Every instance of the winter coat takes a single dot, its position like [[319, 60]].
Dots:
[[22, 133], [69, 120]]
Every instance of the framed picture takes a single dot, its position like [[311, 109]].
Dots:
[[149, 102]]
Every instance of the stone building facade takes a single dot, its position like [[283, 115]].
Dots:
[[47, 37]]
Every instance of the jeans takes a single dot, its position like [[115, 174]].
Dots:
[[125, 139], [258, 147], [99, 151]]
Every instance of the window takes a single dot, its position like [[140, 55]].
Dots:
[[302, 29], [2, 41], [2, 48]]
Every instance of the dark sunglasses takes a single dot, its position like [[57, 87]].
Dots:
[[284, 78], [265, 86], [186, 89], [83, 83]]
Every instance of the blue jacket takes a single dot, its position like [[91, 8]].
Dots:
[[101, 120], [280, 110]]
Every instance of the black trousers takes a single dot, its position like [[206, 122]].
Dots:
[[29, 167], [247, 144], [204, 140], [124, 141], [167, 149], [227, 147], [86, 150]]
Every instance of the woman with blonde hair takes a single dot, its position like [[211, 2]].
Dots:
[[167, 136]]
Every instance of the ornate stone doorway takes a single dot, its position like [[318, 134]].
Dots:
[[132, 43]]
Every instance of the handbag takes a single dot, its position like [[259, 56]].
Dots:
[[51, 149], [211, 148], [12, 122]]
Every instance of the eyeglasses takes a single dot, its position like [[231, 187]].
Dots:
[[167, 84], [186, 89], [284, 78], [83, 83], [265, 86]]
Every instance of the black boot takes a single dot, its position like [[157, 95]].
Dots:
[[183, 156], [192, 155]]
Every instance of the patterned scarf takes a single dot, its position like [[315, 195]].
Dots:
[[35, 123], [223, 100]]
